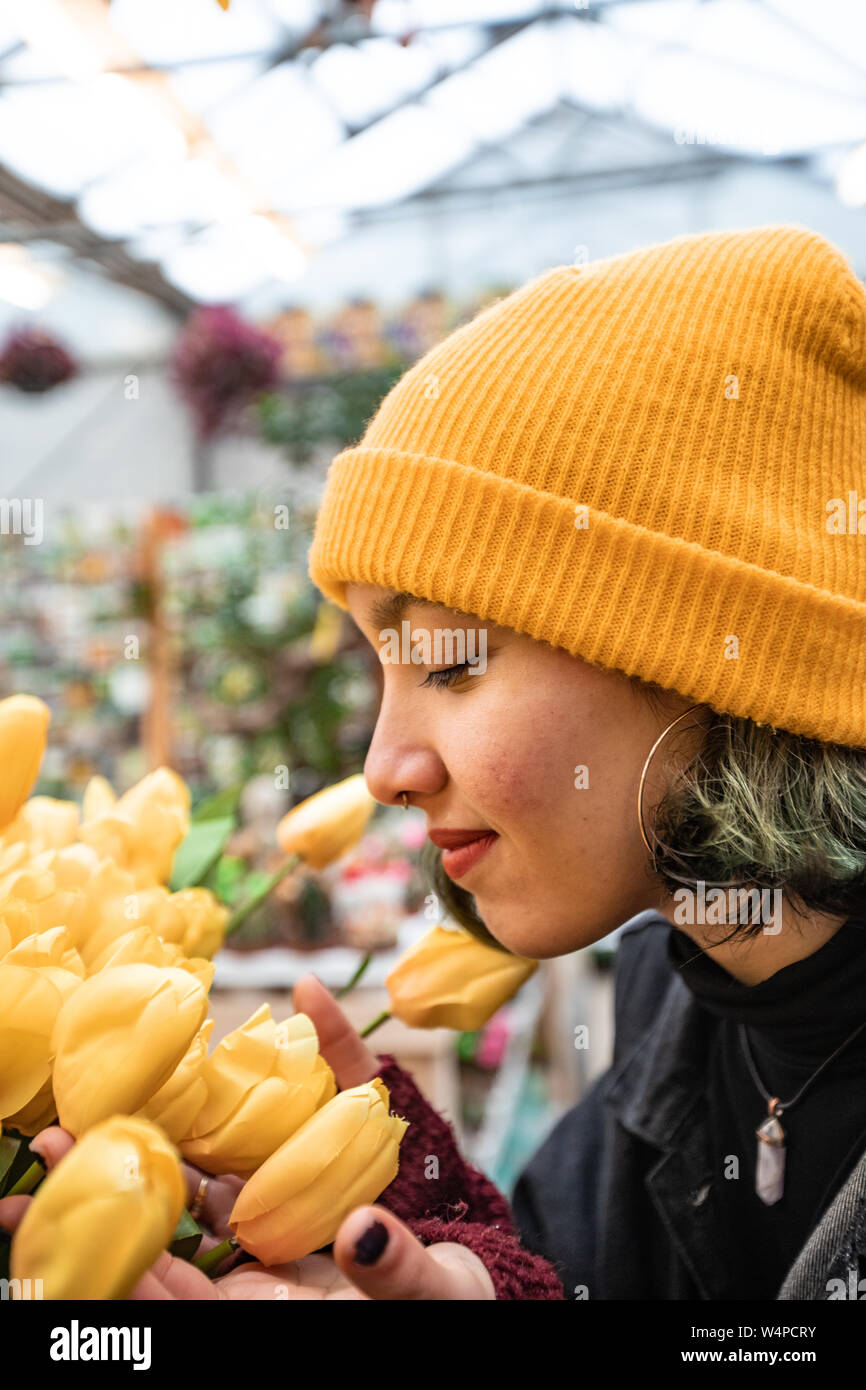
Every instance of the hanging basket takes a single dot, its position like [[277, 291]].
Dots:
[[33, 361], [220, 365]]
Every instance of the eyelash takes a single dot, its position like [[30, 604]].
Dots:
[[447, 676]]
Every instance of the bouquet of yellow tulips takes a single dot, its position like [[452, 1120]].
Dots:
[[104, 980]]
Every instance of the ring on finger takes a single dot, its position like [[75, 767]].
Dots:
[[198, 1200]]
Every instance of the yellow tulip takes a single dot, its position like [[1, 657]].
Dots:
[[144, 827], [36, 1114], [30, 1003], [73, 866], [13, 855], [33, 901], [328, 824], [110, 909], [176, 1104], [31, 881], [193, 918], [53, 952], [100, 1218], [450, 979], [144, 947], [54, 956], [99, 797], [43, 823], [343, 1157], [24, 724], [118, 1039], [264, 1081]]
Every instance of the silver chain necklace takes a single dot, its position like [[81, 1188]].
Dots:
[[770, 1167]]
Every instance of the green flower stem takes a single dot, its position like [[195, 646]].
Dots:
[[215, 1257], [374, 1024], [28, 1180], [357, 975], [243, 912]]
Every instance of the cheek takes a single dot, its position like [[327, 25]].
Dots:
[[520, 768]]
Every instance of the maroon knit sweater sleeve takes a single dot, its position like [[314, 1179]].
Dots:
[[441, 1197]]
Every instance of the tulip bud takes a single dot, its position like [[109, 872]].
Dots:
[[264, 1080], [53, 952], [328, 824], [43, 823], [142, 830], [118, 1039], [30, 1003], [343, 1157], [100, 1218], [450, 979], [54, 956], [193, 919], [176, 1104], [198, 922], [24, 724], [41, 893], [98, 798], [144, 947]]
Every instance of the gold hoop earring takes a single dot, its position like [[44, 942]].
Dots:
[[664, 733], [405, 801]]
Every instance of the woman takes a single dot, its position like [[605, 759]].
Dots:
[[644, 480], [629, 479]]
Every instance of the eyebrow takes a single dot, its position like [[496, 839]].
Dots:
[[386, 612]]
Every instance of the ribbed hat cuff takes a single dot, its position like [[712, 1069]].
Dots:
[[615, 594]]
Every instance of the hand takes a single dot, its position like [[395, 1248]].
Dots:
[[406, 1269], [343, 1049], [170, 1277]]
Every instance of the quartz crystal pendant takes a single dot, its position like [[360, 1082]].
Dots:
[[770, 1170]]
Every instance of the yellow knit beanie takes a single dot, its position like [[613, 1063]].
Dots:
[[656, 461]]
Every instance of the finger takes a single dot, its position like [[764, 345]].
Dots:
[[346, 1053], [172, 1278], [405, 1269], [220, 1195], [52, 1144], [12, 1210], [150, 1290]]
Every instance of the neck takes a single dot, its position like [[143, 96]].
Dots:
[[756, 958]]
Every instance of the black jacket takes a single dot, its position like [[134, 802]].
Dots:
[[621, 1198]]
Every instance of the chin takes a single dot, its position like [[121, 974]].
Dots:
[[538, 937], [533, 938]]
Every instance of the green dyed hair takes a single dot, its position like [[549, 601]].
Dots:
[[754, 807]]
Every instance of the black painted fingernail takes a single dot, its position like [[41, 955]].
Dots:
[[370, 1245]]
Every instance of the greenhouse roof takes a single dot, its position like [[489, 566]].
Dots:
[[202, 155]]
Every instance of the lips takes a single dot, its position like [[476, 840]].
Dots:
[[458, 860], [455, 839]]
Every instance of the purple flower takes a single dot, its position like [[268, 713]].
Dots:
[[221, 364], [34, 361]]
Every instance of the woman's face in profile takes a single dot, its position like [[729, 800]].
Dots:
[[535, 745]]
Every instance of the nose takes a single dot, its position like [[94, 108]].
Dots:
[[400, 759]]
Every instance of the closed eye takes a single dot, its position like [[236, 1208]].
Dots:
[[447, 676]]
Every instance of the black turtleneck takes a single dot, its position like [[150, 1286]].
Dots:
[[794, 1020]]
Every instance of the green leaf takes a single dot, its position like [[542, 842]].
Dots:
[[255, 882], [186, 1238], [225, 878], [223, 803], [10, 1150], [199, 851]]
